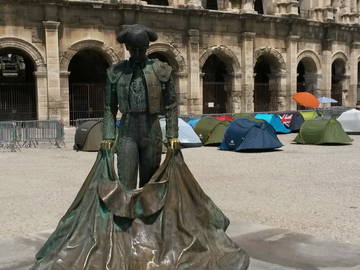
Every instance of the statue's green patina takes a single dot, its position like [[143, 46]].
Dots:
[[141, 89], [167, 224]]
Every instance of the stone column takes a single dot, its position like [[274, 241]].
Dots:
[[291, 66], [353, 84], [195, 4], [181, 91], [277, 88], [247, 70], [53, 68], [236, 93], [247, 6], [194, 86], [42, 94], [286, 7], [326, 69], [64, 94]]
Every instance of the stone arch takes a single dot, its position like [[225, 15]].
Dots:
[[174, 55], [279, 63], [27, 47], [225, 54], [109, 53], [269, 80], [341, 55], [309, 72], [340, 78], [313, 56], [228, 90]]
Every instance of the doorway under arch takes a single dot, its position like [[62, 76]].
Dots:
[[87, 84], [262, 94], [338, 81], [18, 99], [215, 86], [307, 77]]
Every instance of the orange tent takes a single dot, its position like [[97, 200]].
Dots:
[[306, 99]]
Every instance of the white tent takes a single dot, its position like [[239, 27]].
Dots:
[[187, 136], [350, 120]]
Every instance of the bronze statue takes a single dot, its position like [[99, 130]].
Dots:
[[141, 88], [167, 224]]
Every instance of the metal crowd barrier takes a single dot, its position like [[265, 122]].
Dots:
[[17, 134]]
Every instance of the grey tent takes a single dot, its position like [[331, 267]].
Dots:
[[88, 136], [187, 136]]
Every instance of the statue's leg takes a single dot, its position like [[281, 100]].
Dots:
[[150, 154], [128, 160]]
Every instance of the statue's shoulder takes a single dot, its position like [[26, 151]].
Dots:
[[162, 70], [115, 71]]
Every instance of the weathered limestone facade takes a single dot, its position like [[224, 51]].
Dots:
[[288, 32]]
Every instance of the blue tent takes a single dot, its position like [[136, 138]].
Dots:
[[292, 121], [274, 121], [243, 134], [193, 122]]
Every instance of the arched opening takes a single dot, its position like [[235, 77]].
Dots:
[[338, 81], [307, 77], [215, 86], [301, 84], [158, 2], [17, 86], [258, 6], [87, 84], [212, 4], [262, 93]]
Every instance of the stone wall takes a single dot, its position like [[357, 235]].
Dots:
[[52, 32]]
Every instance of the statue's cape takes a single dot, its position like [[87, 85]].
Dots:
[[169, 224]]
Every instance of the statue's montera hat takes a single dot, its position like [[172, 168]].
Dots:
[[137, 35]]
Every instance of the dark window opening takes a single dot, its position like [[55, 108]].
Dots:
[[258, 6], [158, 2], [212, 4]]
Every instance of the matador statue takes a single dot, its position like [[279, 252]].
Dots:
[[141, 88]]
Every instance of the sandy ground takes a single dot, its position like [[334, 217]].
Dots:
[[304, 188]]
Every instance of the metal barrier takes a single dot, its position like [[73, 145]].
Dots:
[[17, 134]]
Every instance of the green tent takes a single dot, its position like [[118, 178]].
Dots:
[[249, 116], [309, 115], [322, 132], [211, 130]]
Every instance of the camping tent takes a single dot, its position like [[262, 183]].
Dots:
[[88, 136], [350, 121], [273, 120], [224, 118], [187, 136], [244, 134], [249, 116], [193, 122], [292, 121], [210, 130], [309, 115], [322, 132]]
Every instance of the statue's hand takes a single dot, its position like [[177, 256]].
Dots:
[[106, 144], [174, 143]]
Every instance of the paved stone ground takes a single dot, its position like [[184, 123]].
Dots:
[[306, 189]]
